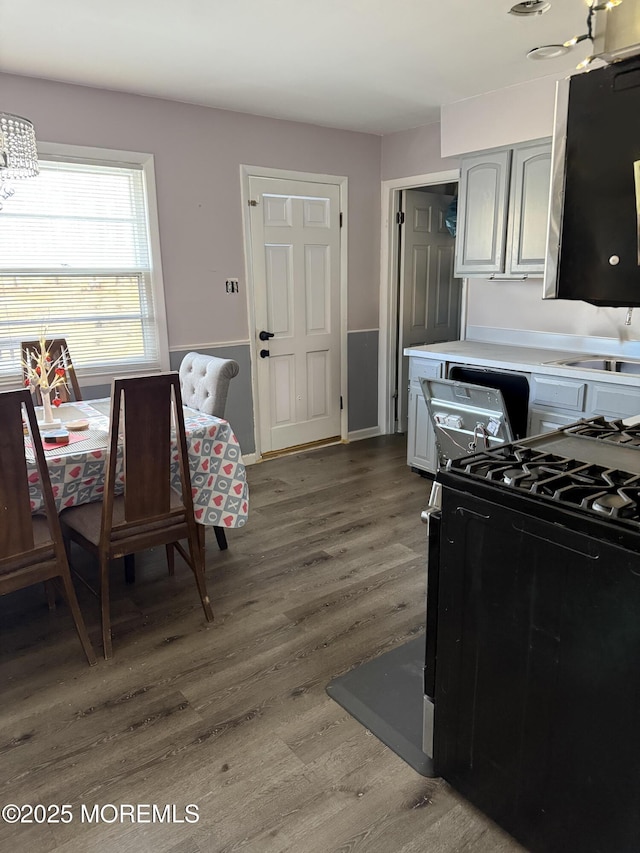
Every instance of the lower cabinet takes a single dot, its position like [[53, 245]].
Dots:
[[554, 401], [614, 401], [421, 441], [547, 421], [422, 452]]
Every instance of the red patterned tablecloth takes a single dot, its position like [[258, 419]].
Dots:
[[218, 475]]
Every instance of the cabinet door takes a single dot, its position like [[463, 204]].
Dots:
[[482, 213], [547, 421], [530, 184], [421, 442]]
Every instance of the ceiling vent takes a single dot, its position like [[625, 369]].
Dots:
[[530, 7]]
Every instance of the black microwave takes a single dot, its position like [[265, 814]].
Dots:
[[594, 222]]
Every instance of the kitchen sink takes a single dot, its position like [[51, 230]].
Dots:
[[612, 365]]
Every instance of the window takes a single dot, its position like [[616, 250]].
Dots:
[[76, 262]]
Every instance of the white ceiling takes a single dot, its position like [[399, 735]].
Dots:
[[357, 64]]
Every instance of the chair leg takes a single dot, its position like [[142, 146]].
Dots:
[[221, 538], [72, 601], [171, 558], [196, 549], [130, 568], [105, 606], [202, 543]]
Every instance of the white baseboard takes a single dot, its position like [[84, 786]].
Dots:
[[359, 434], [249, 458]]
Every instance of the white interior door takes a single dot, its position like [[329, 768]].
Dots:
[[429, 303], [295, 250]]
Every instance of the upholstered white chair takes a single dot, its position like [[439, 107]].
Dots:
[[204, 385], [204, 382]]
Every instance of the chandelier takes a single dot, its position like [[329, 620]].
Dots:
[[551, 51], [18, 152]]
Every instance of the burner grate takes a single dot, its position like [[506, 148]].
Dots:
[[615, 432]]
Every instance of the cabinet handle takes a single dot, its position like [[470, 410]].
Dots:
[[493, 277]]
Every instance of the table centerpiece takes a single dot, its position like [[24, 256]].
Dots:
[[47, 375]]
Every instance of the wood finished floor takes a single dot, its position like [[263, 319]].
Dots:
[[233, 716]]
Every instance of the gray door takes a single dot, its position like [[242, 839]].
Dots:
[[429, 304]]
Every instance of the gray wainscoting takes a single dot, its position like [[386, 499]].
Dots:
[[362, 372], [362, 378], [239, 410]]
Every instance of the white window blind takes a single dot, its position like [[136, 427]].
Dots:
[[75, 263]]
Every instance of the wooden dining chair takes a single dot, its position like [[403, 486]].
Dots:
[[59, 352], [204, 384], [150, 512], [31, 547]]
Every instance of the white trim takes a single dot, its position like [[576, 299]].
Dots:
[[217, 345], [368, 432], [388, 285], [157, 281], [342, 182], [250, 459], [117, 157]]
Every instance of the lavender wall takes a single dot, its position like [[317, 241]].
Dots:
[[198, 152], [500, 118], [414, 152]]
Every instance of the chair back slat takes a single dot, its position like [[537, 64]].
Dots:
[[22, 562], [148, 404], [16, 528], [58, 349]]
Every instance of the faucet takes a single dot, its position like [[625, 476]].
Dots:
[[627, 319]]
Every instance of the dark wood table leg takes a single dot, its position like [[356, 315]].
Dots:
[[221, 539], [130, 568]]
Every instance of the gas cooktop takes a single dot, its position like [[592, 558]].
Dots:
[[592, 466]]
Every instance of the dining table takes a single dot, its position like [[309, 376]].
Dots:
[[77, 469]]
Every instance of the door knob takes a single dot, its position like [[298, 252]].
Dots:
[[264, 336], [264, 353]]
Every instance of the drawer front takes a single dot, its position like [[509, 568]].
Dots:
[[562, 393], [424, 368], [615, 402]]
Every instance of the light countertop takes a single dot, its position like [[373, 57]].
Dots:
[[525, 359]]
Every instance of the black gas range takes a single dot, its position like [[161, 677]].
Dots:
[[590, 470], [532, 677]]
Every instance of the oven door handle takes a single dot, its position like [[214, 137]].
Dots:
[[593, 554], [427, 514]]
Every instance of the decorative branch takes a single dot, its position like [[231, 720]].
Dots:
[[44, 372]]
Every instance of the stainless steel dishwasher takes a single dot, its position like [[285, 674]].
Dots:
[[513, 386]]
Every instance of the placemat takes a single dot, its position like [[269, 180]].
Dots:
[[91, 439], [102, 406]]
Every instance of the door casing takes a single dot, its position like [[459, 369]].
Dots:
[[341, 181], [388, 341]]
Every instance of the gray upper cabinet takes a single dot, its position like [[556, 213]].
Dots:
[[502, 212], [482, 213], [530, 187]]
